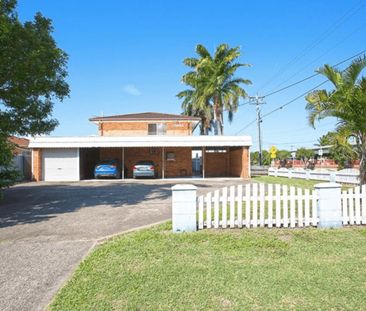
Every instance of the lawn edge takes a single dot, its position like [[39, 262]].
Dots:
[[95, 243]]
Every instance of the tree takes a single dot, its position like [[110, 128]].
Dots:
[[266, 158], [213, 86], [32, 77], [346, 102], [327, 139], [283, 154], [304, 154], [193, 105], [340, 151]]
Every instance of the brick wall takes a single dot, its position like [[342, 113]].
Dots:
[[141, 128], [37, 164], [232, 163], [217, 164], [239, 162], [181, 166], [133, 155]]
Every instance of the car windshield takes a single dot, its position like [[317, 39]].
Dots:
[[145, 163]]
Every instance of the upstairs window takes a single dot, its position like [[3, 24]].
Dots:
[[157, 129]]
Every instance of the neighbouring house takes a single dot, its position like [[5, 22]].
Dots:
[[22, 156], [166, 139]]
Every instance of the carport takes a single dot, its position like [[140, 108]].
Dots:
[[73, 158]]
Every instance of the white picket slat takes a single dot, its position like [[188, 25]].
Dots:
[[270, 205], [262, 194], [357, 205], [240, 205], [292, 207], [285, 205], [247, 205], [232, 207], [300, 217], [350, 207], [314, 207], [307, 207], [344, 207], [363, 204], [217, 209], [200, 212], [255, 205], [208, 210], [224, 207], [278, 206]]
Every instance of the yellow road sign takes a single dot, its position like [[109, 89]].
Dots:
[[273, 151]]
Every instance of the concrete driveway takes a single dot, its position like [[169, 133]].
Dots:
[[46, 229]]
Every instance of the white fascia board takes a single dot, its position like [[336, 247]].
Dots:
[[140, 141]]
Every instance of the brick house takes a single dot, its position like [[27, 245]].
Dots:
[[166, 139]]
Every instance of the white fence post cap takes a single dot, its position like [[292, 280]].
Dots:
[[327, 185], [184, 187]]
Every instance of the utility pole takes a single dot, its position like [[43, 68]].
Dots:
[[258, 101]]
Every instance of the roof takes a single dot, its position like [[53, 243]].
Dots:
[[146, 116], [140, 141], [19, 142]]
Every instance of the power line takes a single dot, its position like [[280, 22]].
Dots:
[[296, 98], [303, 94], [321, 38], [282, 106], [314, 75], [240, 105], [321, 56], [302, 129]]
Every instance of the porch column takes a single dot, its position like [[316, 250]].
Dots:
[[203, 161], [123, 162], [163, 163]]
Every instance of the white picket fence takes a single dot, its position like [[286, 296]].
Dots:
[[348, 176], [258, 205], [354, 206]]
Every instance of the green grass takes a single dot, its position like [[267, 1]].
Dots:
[[262, 269], [302, 183]]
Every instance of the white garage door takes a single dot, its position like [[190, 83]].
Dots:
[[60, 164]]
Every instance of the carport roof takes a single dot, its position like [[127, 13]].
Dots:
[[140, 141]]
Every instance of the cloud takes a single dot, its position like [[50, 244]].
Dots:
[[131, 90]]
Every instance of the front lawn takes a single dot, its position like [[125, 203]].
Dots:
[[302, 183], [296, 182], [256, 269]]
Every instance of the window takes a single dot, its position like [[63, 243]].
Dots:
[[170, 156], [157, 129]]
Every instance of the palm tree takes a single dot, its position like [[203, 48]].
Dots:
[[346, 102], [213, 83], [195, 105]]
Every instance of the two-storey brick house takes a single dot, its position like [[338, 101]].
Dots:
[[166, 139]]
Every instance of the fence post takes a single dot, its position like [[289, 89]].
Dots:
[[329, 205], [332, 177], [184, 211]]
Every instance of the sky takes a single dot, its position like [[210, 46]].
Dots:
[[126, 56]]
